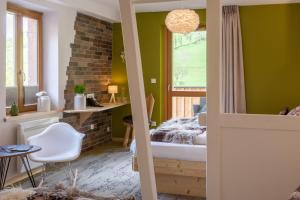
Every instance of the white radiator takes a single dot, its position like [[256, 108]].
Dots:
[[28, 129]]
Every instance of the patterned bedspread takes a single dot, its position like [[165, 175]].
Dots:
[[179, 131]]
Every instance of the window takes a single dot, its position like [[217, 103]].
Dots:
[[23, 57], [185, 73], [189, 60]]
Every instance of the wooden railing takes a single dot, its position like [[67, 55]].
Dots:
[[183, 106]]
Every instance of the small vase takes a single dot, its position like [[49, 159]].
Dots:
[[79, 102]]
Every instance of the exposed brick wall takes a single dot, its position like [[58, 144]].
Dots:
[[90, 65], [95, 137]]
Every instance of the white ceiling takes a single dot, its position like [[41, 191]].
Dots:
[[109, 9], [166, 5]]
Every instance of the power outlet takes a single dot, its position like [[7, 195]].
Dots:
[[153, 123], [92, 126]]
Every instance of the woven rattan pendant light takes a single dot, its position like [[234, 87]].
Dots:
[[182, 21]]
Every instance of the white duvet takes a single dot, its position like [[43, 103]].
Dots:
[[177, 151]]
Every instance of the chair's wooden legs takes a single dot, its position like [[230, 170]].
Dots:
[[127, 134]]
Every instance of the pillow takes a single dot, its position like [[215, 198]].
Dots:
[[200, 139], [295, 111], [284, 111]]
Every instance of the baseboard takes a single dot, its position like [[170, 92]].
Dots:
[[117, 139], [22, 176]]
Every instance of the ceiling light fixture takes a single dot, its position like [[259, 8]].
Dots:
[[182, 21]]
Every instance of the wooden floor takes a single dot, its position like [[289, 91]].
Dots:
[[105, 171]]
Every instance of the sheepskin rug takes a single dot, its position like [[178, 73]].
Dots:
[[59, 192]]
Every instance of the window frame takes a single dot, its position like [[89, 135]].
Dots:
[[168, 76], [21, 12]]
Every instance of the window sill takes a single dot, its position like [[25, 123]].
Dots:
[[31, 116]]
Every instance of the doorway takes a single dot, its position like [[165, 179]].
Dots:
[[185, 73]]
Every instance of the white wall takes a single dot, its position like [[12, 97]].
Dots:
[[50, 56], [100, 9], [58, 35], [66, 37]]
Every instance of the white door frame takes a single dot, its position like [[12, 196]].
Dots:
[[137, 94], [214, 58], [137, 98]]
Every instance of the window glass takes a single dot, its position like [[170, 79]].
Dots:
[[11, 80], [10, 50], [189, 60], [30, 59]]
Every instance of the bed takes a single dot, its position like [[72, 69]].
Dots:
[[179, 168]]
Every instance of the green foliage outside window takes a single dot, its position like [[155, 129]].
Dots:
[[189, 59]]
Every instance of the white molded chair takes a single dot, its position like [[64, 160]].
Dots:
[[60, 142]]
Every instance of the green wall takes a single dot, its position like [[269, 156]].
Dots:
[[150, 28], [119, 77], [271, 44]]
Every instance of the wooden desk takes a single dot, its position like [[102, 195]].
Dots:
[[86, 113]]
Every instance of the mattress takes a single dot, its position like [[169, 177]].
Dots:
[[176, 151]]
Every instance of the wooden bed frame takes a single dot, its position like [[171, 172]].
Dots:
[[178, 177]]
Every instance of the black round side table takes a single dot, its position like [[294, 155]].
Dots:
[[6, 154]]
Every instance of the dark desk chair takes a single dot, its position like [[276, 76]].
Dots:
[[128, 121]]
